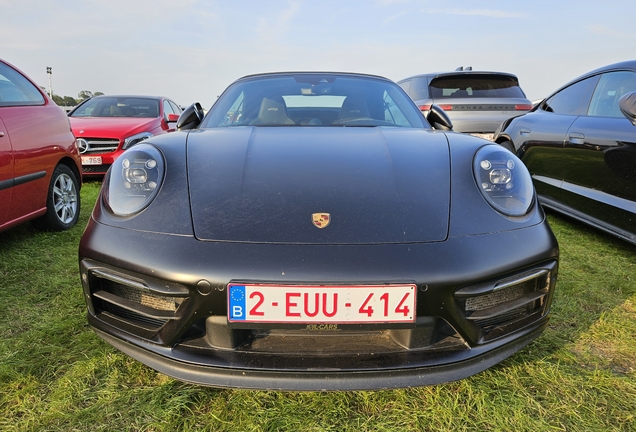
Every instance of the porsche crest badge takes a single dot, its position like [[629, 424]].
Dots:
[[320, 220]]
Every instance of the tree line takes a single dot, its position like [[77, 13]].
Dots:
[[69, 101]]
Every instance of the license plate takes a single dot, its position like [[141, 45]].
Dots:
[[266, 303], [91, 160], [488, 137]]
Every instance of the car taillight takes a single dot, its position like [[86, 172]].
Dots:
[[523, 107], [427, 107]]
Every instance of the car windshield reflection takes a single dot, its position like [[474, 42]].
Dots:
[[314, 100], [118, 107]]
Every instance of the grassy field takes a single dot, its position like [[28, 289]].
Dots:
[[55, 374]]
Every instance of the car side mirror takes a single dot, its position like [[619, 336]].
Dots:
[[172, 118], [438, 118], [191, 117], [627, 104]]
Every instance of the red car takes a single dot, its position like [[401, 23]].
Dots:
[[105, 126], [39, 159]]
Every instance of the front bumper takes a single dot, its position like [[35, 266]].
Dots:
[[163, 360], [175, 319]]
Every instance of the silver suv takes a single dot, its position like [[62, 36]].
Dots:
[[476, 102]]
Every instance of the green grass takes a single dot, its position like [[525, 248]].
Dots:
[[55, 374]]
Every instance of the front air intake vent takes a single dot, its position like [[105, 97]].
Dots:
[[145, 298], [143, 321], [502, 306], [130, 299]]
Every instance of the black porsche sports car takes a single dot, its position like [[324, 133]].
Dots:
[[313, 232]]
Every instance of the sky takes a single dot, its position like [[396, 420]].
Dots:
[[191, 50]]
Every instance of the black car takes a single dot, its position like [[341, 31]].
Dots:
[[581, 149], [313, 232]]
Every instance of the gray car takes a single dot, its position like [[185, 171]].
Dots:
[[476, 102]]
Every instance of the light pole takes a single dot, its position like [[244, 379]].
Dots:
[[49, 70]]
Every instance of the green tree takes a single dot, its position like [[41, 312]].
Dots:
[[59, 100], [69, 101], [85, 94], [65, 101]]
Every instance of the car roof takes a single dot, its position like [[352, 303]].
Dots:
[[130, 96], [624, 65], [274, 74], [630, 64], [455, 73]]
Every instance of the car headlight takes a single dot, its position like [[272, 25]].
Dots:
[[135, 139], [503, 180], [134, 180]]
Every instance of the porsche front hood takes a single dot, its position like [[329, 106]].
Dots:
[[263, 184]]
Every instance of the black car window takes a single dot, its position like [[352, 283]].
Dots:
[[314, 100], [475, 85], [15, 90], [609, 90], [572, 100]]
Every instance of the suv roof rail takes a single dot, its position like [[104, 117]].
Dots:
[[462, 68]]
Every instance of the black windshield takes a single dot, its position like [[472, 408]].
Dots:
[[475, 85], [314, 100]]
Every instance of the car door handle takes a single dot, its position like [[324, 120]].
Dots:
[[1, 134], [577, 138], [524, 131]]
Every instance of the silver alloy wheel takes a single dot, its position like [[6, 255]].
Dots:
[[65, 198]]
